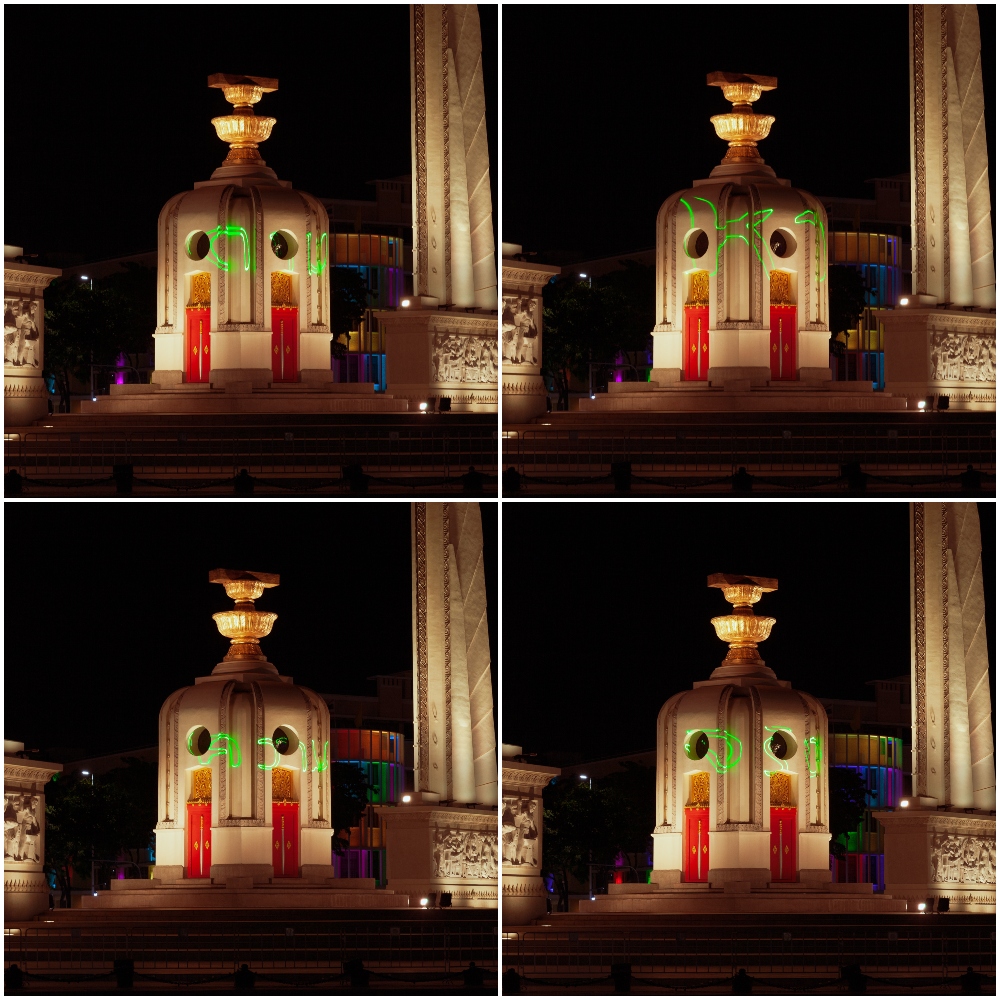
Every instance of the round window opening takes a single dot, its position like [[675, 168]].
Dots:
[[697, 746], [782, 745], [198, 246], [284, 741], [782, 243], [199, 742], [283, 245], [696, 244]]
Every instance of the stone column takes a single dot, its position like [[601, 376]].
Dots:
[[521, 826], [524, 392], [25, 889], [25, 398]]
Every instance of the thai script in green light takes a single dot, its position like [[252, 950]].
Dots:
[[266, 741], [734, 748], [222, 743], [813, 750], [230, 232], [317, 266], [321, 762], [811, 218]]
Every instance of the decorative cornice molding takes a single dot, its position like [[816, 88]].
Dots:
[[31, 279], [21, 772]]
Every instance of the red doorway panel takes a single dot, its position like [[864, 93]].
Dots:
[[199, 344], [285, 344], [784, 837], [199, 839], [695, 343], [783, 338], [285, 839], [696, 845]]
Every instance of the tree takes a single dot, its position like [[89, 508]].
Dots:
[[350, 799], [848, 798], [128, 310], [349, 297], [130, 791], [847, 302]]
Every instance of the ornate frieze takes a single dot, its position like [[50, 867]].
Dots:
[[464, 357], [460, 853], [963, 356], [963, 859]]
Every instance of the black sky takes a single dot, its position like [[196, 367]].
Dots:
[[110, 115], [113, 606], [606, 611], [606, 111]]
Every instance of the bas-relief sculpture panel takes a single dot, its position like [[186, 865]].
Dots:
[[20, 334], [963, 357], [963, 859], [520, 831], [464, 854], [21, 827], [461, 357], [520, 330]]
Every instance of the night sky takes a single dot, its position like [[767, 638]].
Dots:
[[607, 614], [109, 114], [108, 613], [606, 110]]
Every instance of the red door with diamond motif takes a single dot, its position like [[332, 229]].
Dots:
[[696, 844], [199, 839], [782, 342], [784, 836], [285, 344], [285, 839], [695, 343], [199, 344]]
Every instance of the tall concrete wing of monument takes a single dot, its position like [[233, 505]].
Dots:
[[443, 344], [942, 846], [943, 342], [445, 839]]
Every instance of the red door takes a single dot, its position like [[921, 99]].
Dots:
[[285, 840], [285, 344], [696, 343], [199, 344], [782, 342], [784, 834], [696, 845], [199, 839]]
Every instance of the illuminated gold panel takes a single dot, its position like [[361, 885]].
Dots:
[[781, 789], [699, 789], [201, 785], [281, 289], [281, 785], [781, 288], [698, 288], [201, 289]]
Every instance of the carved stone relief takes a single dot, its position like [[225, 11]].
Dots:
[[21, 337], [520, 330], [961, 859], [963, 357], [520, 831], [464, 853], [22, 819], [461, 357]]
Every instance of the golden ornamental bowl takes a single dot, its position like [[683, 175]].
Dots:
[[742, 129], [743, 630], [244, 130], [742, 595], [241, 626], [248, 589]]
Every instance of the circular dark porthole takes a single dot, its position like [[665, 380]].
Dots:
[[779, 747], [696, 746], [198, 245], [199, 742], [782, 243], [696, 245], [284, 741], [283, 245]]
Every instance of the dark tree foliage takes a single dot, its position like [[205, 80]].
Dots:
[[847, 301], [848, 798], [595, 823], [595, 322], [350, 798], [87, 325], [349, 297]]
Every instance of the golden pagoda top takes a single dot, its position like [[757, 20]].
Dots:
[[244, 626], [243, 129], [741, 128], [742, 629]]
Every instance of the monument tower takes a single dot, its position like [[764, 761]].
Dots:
[[444, 343]]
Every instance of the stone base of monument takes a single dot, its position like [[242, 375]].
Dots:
[[744, 897], [524, 397], [933, 352], [524, 898], [936, 855], [435, 849], [249, 394], [442, 353], [244, 892], [740, 390]]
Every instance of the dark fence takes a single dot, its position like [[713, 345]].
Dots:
[[944, 949]]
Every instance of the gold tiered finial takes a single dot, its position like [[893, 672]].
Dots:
[[244, 625], [742, 629], [243, 130], [741, 128]]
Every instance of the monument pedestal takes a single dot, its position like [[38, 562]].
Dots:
[[434, 353], [431, 849], [941, 854], [934, 352]]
